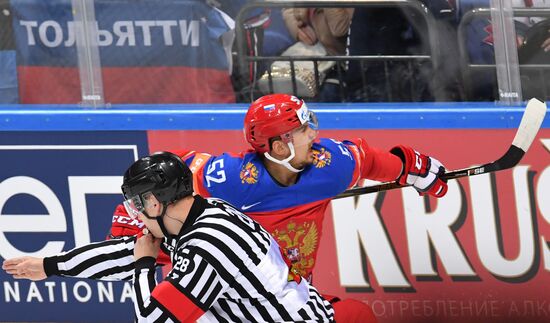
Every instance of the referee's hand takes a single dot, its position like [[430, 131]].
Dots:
[[25, 268], [147, 246]]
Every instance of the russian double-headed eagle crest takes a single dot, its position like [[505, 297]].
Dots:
[[249, 174], [321, 158], [299, 241]]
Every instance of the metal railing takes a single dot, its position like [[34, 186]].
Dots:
[[419, 11]]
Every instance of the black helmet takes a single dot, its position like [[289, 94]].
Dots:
[[163, 174]]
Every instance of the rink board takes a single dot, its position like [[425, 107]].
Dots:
[[479, 255]]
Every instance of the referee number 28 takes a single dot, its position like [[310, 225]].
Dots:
[[182, 264], [215, 173]]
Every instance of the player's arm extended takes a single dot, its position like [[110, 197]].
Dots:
[[373, 163], [402, 163]]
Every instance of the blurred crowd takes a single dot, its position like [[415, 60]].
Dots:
[[224, 51]]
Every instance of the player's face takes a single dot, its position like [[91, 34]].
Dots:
[[302, 139]]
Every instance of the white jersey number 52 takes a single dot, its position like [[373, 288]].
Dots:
[[219, 174]]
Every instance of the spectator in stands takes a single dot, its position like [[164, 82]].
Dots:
[[479, 44], [275, 36], [265, 35], [391, 30], [328, 26]]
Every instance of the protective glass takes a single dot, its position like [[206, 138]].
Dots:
[[305, 134], [134, 206]]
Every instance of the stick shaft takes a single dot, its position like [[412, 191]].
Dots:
[[527, 130]]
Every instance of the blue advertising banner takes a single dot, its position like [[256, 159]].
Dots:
[[173, 51], [58, 190], [156, 33]]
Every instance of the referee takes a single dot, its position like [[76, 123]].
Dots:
[[225, 266]]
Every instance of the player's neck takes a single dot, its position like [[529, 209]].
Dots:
[[280, 173]]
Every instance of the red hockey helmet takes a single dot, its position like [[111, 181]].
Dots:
[[275, 115]]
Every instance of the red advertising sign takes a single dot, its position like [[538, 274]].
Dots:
[[480, 254]]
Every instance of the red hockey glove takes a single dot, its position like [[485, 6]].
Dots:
[[420, 171], [123, 225]]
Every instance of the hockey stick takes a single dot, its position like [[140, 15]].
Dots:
[[528, 128]]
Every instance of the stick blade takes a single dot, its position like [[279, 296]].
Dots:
[[530, 124]]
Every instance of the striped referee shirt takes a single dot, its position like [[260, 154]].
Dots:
[[226, 268]]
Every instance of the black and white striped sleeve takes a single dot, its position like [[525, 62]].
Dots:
[[189, 290], [106, 260]]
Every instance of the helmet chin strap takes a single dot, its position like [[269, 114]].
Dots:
[[160, 220], [285, 162]]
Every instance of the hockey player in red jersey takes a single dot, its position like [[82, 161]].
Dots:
[[290, 176], [288, 179]]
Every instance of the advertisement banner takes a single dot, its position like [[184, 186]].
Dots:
[[478, 255], [171, 50], [57, 191]]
